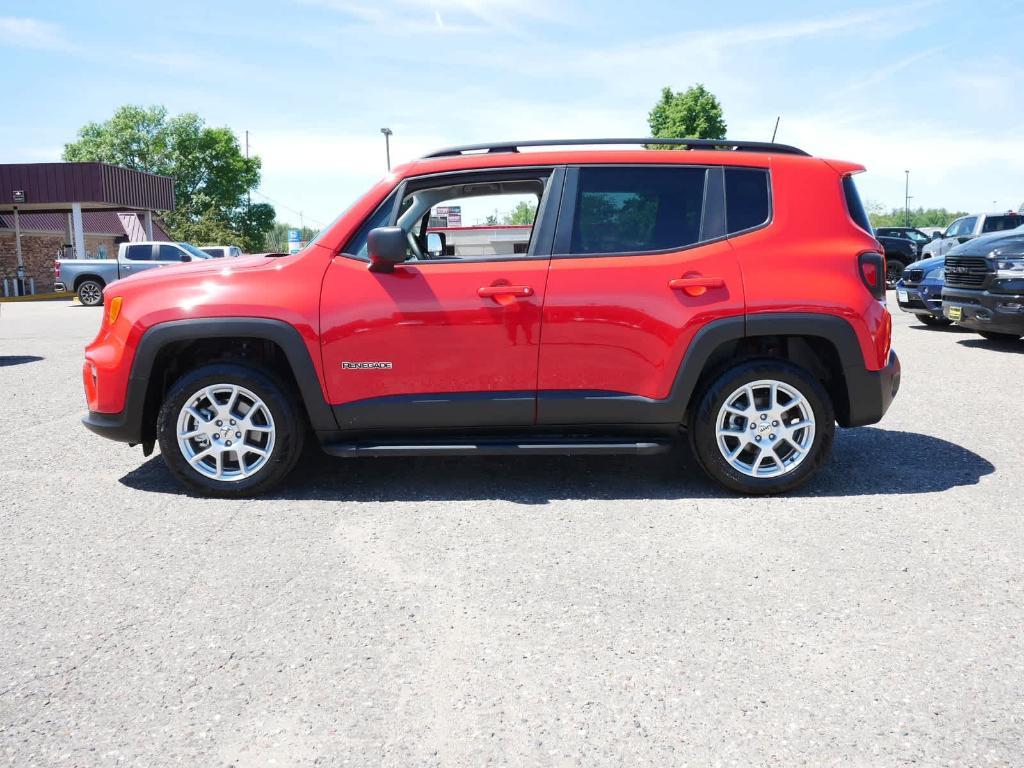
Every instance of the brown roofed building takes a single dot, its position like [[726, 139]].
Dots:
[[81, 210]]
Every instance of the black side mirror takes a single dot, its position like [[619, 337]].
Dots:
[[186, 257], [387, 246], [936, 235]]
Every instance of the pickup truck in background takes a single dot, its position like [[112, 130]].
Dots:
[[88, 277], [222, 251], [968, 227]]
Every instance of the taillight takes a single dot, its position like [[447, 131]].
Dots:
[[872, 273], [56, 269]]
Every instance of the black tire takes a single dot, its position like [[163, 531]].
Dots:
[[703, 425], [934, 321], [893, 273], [90, 292], [288, 420], [996, 336]]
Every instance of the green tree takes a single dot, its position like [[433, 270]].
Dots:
[[276, 240], [880, 216], [691, 114], [523, 213], [211, 175]]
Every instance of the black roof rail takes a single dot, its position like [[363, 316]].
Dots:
[[719, 144]]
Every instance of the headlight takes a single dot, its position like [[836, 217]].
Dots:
[[939, 273], [1014, 266]]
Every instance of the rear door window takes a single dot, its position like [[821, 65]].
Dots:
[[637, 210], [747, 203], [1002, 223], [139, 252]]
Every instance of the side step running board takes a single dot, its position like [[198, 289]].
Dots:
[[493, 448]]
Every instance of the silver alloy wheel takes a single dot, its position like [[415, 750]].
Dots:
[[765, 428], [225, 432], [90, 294]]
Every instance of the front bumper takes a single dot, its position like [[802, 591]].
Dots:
[[870, 393], [986, 311], [114, 426], [922, 299]]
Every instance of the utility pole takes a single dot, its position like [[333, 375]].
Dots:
[[248, 192], [906, 201], [387, 144]]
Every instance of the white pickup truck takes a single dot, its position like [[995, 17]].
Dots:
[[88, 277]]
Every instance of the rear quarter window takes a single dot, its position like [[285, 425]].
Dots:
[[747, 200]]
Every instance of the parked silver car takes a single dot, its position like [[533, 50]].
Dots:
[[88, 277]]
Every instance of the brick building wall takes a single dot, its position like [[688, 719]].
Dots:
[[38, 252]]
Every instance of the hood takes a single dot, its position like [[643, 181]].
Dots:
[[928, 264], [1009, 243], [201, 269]]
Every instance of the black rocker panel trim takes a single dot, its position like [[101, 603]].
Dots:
[[127, 426], [398, 413]]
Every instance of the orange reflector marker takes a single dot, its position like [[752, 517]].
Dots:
[[114, 309]]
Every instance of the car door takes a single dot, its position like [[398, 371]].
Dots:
[[446, 339], [640, 263], [957, 232], [138, 257]]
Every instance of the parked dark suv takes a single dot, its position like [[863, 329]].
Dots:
[[984, 288], [913, 234]]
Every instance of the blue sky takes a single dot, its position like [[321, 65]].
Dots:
[[934, 86]]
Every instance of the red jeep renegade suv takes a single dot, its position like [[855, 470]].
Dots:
[[733, 292]]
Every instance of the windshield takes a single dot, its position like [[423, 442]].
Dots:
[[194, 252], [916, 236]]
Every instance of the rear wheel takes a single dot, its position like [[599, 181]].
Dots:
[[763, 426], [995, 336], [90, 292], [893, 273], [933, 320], [229, 430]]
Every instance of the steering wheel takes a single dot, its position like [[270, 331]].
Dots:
[[417, 254]]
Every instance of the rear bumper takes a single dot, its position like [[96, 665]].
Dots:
[[59, 287], [870, 393], [986, 311]]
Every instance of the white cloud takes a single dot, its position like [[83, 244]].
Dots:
[[31, 33]]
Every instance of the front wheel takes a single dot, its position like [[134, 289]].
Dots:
[[90, 292], [995, 336], [229, 430], [763, 426]]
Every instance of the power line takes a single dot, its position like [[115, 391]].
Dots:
[[300, 214]]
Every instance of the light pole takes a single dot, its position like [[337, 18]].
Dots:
[[906, 201], [387, 144]]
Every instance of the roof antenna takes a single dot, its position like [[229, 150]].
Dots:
[[776, 128]]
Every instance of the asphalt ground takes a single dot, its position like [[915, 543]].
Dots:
[[529, 611]]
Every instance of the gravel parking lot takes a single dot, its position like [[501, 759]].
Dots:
[[533, 611]]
